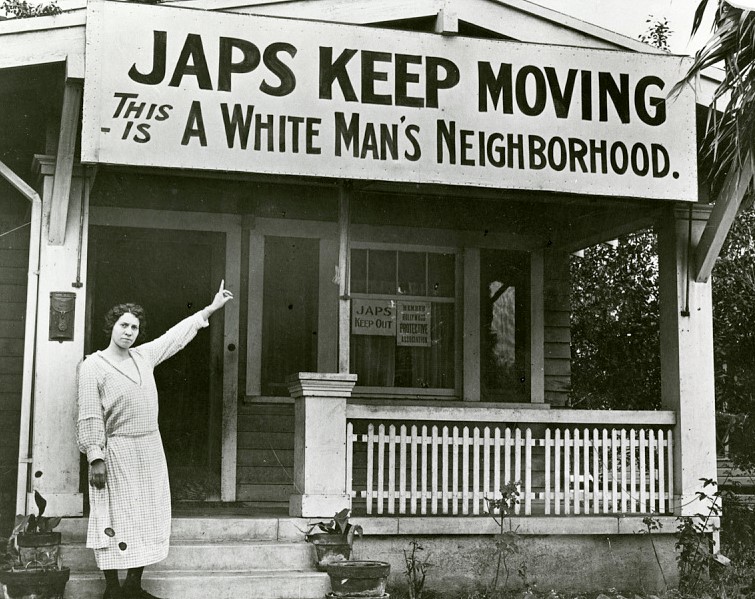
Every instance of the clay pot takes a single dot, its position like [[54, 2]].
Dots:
[[330, 549], [39, 550], [39, 584], [358, 578]]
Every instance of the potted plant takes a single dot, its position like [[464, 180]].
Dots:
[[31, 564], [335, 541]]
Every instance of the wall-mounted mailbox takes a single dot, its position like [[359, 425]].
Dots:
[[62, 312]]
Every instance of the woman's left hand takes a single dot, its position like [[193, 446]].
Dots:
[[222, 297]]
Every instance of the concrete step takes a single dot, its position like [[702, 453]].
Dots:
[[220, 556], [211, 529], [205, 584]]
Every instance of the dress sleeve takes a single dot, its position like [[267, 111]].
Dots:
[[173, 340], [90, 426]]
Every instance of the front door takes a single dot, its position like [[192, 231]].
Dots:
[[171, 274]]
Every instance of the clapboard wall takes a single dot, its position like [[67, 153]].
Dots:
[[14, 256]]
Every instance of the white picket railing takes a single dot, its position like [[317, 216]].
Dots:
[[445, 469]]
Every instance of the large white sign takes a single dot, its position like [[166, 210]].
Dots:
[[182, 88]]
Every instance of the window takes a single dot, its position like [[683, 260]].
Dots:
[[403, 318], [504, 326]]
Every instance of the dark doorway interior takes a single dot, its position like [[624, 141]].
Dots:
[[172, 274]]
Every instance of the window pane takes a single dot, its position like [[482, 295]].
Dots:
[[411, 273], [289, 314], [379, 362], [382, 273], [441, 274], [504, 314], [358, 271], [430, 367]]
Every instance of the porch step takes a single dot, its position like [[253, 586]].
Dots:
[[206, 584], [199, 556], [212, 557], [210, 529]]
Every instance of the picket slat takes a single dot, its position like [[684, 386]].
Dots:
[[486, 467], [404, 442], [446, 490], [567, 471], [434, 471], [661, 474], [643, 472], [423, 496], [455, 496], [392, 469], [557, 472], [415, 447], [623, 465], [595, 472], [606, 493], [518, 465], [547, 506], [528, 472], [370, 453], [632, 470], [576, 486], [653, 473], [476, 442], [465, 471], [497, 445]]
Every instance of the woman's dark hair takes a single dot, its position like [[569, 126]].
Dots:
[[116, 312]]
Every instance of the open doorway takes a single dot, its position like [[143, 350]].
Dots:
[[172, 274]]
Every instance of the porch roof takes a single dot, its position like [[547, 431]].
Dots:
[[61, 38]]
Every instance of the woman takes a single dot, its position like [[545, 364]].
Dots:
[[129, 521]]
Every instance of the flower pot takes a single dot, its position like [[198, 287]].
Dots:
[[358, 578], [330, 549], [39, 549], [35, 583]]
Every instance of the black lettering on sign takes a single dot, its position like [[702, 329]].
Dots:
[[641, 102], [250, 60], [194, 125], [237, 123], [411, 136], [332, 71], [286, 77], [192, 51], [496, 87], [157, 74]]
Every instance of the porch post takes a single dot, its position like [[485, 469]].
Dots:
[[320, 443], [686, 334], [54, 468]]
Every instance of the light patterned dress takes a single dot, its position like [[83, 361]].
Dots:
[[129, 521]]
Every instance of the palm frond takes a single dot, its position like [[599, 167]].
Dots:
[[730, 133]]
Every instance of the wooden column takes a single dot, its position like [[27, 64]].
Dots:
[[471, 342], [536, 364], [687, 355], [55, 456], [320, 443], [344, 301]]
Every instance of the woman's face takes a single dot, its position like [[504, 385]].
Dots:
[[125, 331]]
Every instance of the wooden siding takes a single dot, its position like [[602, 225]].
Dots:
[[557, 329], [14, 258], [265, 459]]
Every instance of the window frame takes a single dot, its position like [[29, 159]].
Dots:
[[457, 300]]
